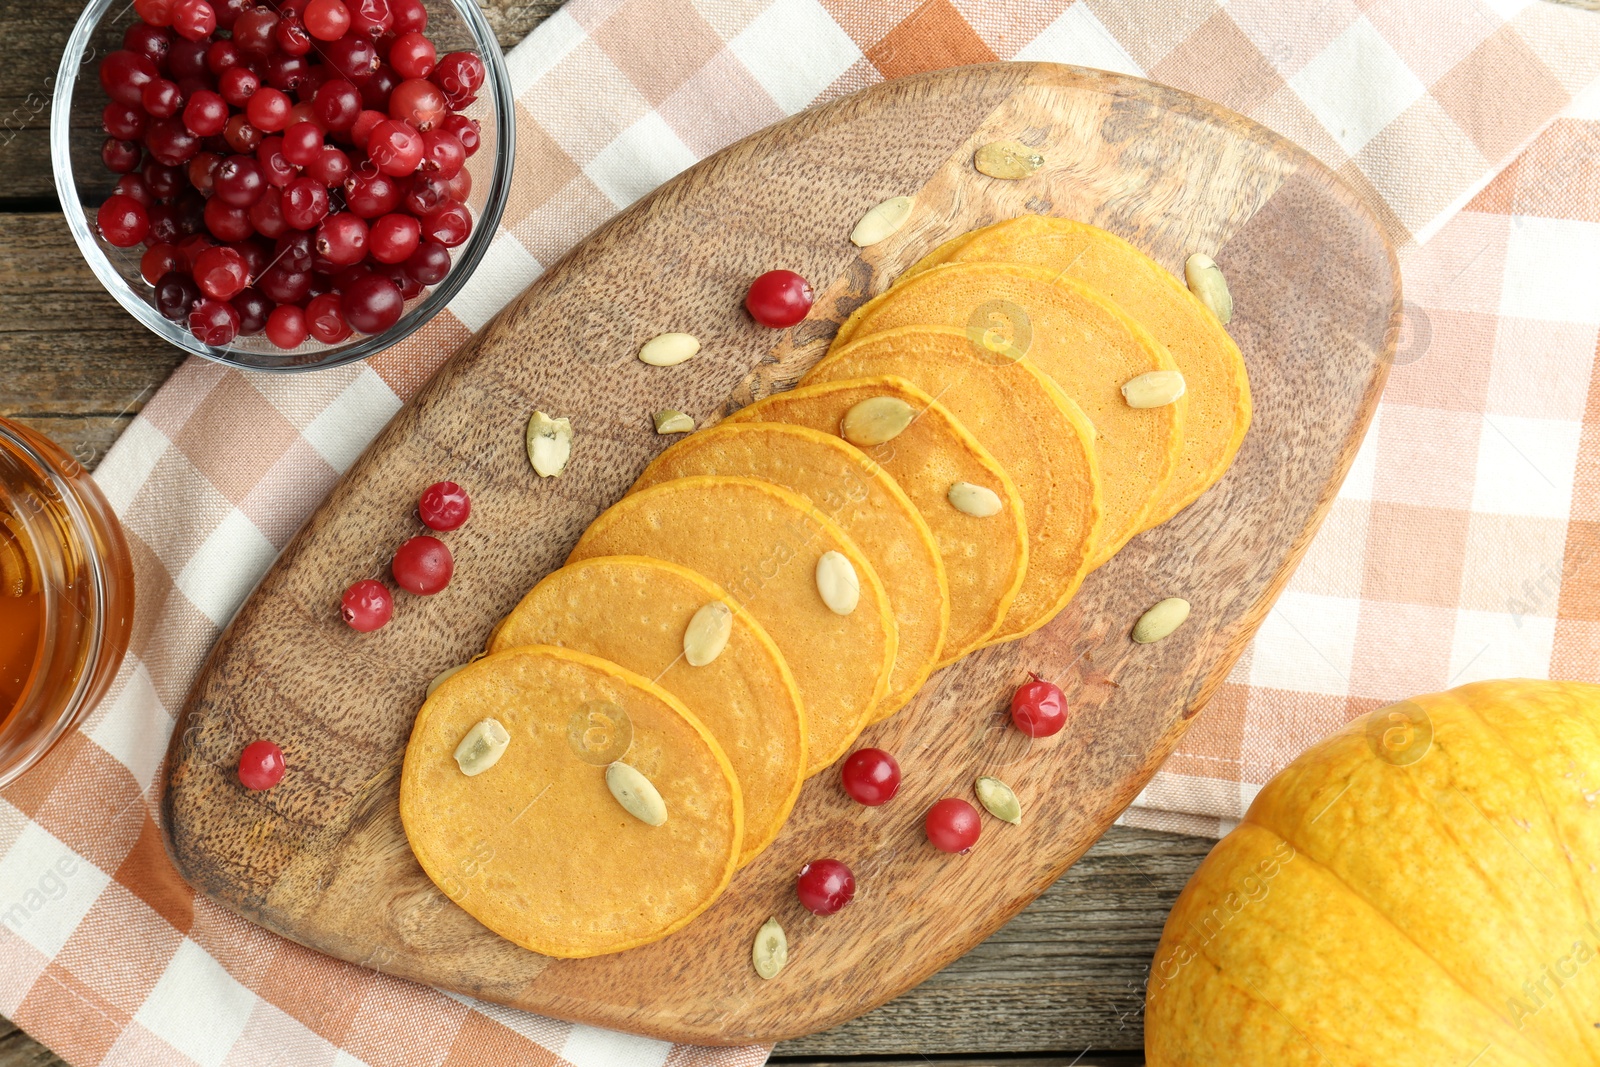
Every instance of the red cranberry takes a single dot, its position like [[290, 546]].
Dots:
[[448, 224], [291, 36], [778, 298], [164, 224], [176, 295], [193, 19], [206, 114], [442, 154], [161, 98], [367, 605], [221, 273], [241, 136], [952, 825], [155, 12], [362, 130], [120, 157], [305, 204], [393, 238], [353, 57], [331, 167], [444, 506], [395, 147], [123, 121], [124, 74], [466, 130], [409, 287], [123, 221], [256, 254], [253, 309], [342, 238], [202, 171], [426, 193], [410, 16], [327, 20], [372, 304], [157, 261], [239, 181], [237, 85], [871, 776], [268, 109], [460, 75], [275, 167], [825, 886], [1039, 708], [285, 72], [423, 565], [147, 40], [371, 195], [214, 322], [302, 143], [227, 222], [337, 104], [286, 327], [261, 765], [429, 263], [412, 55], [284, 286], [253, 31], [133, 185], [369, 18], [191, 247], [170, 142], [163, 180], [324, 321], [222, 55], [417, 101]]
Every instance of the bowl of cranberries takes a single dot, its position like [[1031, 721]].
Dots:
[[283, 184]]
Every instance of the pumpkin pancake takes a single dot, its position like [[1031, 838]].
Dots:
[[762, 544], [1213, 369], [633, 610], [854, 492], [985, 559], [536, 847], [1087, 344], [1034, 429]]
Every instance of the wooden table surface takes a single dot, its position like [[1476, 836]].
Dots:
[[1061, 984]]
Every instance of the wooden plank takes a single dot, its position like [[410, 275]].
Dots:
[[331, 867], [37, 34], [78, 367]]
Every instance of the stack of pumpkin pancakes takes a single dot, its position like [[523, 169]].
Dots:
[[1014, 468]]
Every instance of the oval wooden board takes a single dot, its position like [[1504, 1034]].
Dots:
[[322, 859]]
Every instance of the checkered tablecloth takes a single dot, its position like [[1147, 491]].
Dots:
[[1466, 543]]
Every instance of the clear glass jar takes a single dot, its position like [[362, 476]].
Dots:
[[66, 596]]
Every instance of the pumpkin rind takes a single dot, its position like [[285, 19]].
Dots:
[[1432, 904]]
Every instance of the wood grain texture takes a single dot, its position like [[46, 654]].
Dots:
[[322, 859]]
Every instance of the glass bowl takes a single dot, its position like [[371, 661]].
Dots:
[[66, 596], [83, 183]]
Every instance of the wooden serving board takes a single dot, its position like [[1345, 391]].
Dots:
[[322, 858]]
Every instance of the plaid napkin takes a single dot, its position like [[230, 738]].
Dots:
[[1466, 543]]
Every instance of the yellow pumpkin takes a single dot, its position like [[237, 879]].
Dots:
[[1421, 888]]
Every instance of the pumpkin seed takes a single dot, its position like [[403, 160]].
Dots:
[[669, 349], [881, 221], [444, 676], [999, 800], [1160, 620], [771, 949], [636, 795], [707, 634], [974, 500], [1007, 159], [549, 444], [670, 421], [837, 582], [876, 420], [1155, 389], [482, 748], [1206, 282]]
